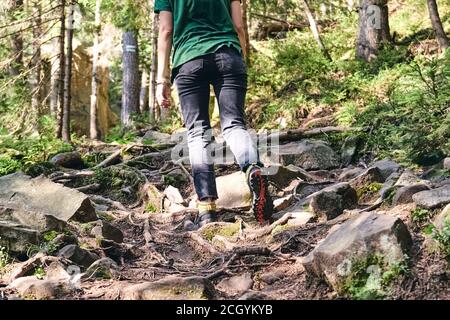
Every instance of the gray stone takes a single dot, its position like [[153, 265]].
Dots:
[[442, 218], [405, 194], [308, 154], [32, 287], [42, 196], [233, 191], [283, 203], [371, 175], [282, 176], [17, 238], [432, 199], [106, 230], [332, 201], [327, 205], [364, 235], [68, 160], [349, 149], [408, 178], [305, 189], [350, 173], [32, 220], [105, 268], [237, 284], [171, 288], [157, 137], [446, 163], [174, 195], [78, 255], [386, 167]]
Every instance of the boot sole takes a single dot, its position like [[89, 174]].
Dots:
[[262, 204]]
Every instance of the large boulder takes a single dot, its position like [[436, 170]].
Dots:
[[282, 176], [233, 191], [333, 200], [17, 238], [432, 199], [45, 289], [442, 218], [171, 288], [387, 167], [105, 230], [370, 176], [308, 154], [354, 241], [408, 178], [405, 194], [67, 160], [446, 163], [40, 195], [80, 256]]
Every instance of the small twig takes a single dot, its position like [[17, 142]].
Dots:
[[108, 161]]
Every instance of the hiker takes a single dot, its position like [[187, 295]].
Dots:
[[208, 40]]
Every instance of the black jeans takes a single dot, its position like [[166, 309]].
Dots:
[[225, 70]]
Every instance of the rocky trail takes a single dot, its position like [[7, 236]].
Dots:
[[113, 229]]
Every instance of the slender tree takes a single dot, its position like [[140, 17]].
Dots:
[[17, 42], [36, 61], [314, 29], [130, 91], [154, 108], [95, 78], [437, 25], [68, 73], [62, 69], [247, 36]]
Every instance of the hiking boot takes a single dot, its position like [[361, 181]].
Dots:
[[262, 204], [207, 213]]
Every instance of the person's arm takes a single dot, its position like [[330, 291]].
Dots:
[[236, 15], [164, 50]]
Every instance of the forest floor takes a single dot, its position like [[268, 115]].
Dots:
[[234, 258]]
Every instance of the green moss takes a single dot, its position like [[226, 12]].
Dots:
[[151, 208], [227, 231], [39, 272], [370, 277], [369, 189]]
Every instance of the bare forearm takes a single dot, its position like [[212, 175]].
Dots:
[[164, 49]]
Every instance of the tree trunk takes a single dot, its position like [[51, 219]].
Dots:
[[68, 74], [373, 28], [143, 96], [36, 61], [17, 43], [130, 91], [437, 25], [93, 130], [154, 108], [247, 36], [61, 76], [54, 81], [315, 30]]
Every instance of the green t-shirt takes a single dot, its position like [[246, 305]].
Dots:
[[200, 27]]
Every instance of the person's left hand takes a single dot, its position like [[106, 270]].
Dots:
[[163, 94]]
